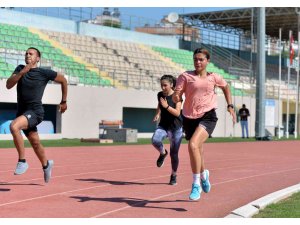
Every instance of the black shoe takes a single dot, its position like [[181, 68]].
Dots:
[[173, 180], [161, 159]]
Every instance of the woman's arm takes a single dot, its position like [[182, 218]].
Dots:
[[179, 89], [230, 108], [174, 111], [157, 114]]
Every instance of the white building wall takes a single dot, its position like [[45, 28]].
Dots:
[[87, 106]]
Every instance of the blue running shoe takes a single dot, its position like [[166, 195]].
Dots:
[[205, 184], [21, 168], [196, 192]]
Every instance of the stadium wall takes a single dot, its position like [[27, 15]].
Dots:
[[64, 25], [37, 21], [87, 106]]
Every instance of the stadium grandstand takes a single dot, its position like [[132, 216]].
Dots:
[[113, 68]]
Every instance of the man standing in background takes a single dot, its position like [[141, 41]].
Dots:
[[244, 113]]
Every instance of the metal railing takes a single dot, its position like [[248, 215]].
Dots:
[[84, 14]]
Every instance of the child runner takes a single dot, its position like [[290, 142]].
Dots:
[[170, 125], [199, 115]]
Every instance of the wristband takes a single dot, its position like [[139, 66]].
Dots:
[[167, 107], [230, 106], [63, 102]]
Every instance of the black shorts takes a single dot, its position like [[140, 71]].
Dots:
[[208, 121], [33, 118]]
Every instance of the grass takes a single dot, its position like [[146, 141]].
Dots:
[[287, 208], [141, 141], [77, 142], [69, 143]]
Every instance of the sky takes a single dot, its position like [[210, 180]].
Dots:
[[138, 15], [157, 13], [154, 9], [151, 3]]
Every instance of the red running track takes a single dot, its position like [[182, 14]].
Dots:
[[123, 181]]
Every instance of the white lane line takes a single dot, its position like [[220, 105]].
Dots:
[[81, 189], [122, 169], [118, 162], [101, 186], [187, 190]]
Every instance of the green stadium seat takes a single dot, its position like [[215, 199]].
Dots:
[[81, 80], [107, 83], [20, 38], [3, 31], [45, 55], [2, 73], [8, 73]]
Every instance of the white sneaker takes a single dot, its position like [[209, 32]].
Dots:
[[48, 170], [21, 168]]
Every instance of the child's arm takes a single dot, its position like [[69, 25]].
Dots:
[[174, 111], [157, 114]]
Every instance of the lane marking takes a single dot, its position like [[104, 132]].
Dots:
[[187, 190]]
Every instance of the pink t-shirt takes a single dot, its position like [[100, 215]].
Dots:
[[200, 95]]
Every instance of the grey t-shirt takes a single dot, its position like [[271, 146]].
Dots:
[[31, 86]]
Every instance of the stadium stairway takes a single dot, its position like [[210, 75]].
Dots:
[[162, 58]]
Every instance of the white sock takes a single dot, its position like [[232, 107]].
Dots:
[[196, 178], [203, 176], [174, 173]]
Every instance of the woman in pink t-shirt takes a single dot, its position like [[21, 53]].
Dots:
[[199, 116]]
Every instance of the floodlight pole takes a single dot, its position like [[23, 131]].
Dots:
[[251, 79], [297, 86], [298, 68], [260, 75], [279, 87], [288, 92]]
